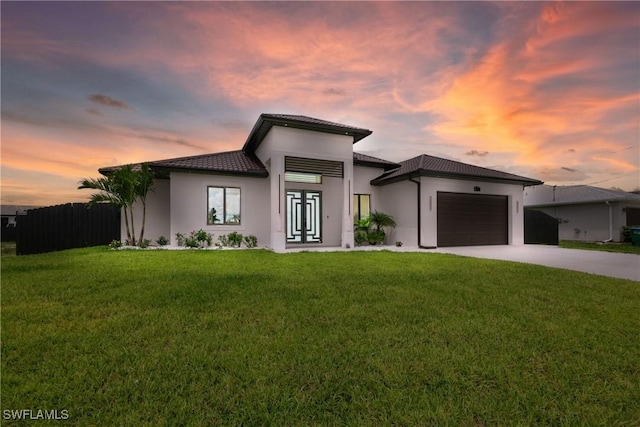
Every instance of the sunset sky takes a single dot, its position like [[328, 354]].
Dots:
[[545, 90]]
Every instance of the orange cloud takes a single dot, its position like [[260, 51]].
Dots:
[[524, 82], [530, 98]]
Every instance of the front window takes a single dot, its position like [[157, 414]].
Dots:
[[361, 206], [223, 205]]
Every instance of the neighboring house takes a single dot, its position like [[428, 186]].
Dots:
[[9, 213], [297, 182], [584, 212], [8, 230]]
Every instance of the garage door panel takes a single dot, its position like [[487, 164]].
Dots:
[[472, 219]]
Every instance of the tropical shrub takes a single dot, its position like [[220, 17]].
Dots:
[[235, 239], [191, 242], [250, 241], [195, 239], [360, 237], [371, 228], [223, 241], [162, 241], [375, 236]]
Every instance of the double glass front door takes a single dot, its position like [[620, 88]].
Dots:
[[304, 216]]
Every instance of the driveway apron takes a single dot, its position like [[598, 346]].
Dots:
[[623, 266]]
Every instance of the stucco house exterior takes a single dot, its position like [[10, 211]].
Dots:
[[584, 212], [297, 182]]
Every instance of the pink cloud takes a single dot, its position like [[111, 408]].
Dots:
[[510, 101], [535, 82]]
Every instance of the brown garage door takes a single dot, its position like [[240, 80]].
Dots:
[[472, 219]]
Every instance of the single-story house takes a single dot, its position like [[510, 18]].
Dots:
[[584, 212], [297, 182], [9, 213]]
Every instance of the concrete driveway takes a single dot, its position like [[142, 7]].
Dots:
[[623, 266]]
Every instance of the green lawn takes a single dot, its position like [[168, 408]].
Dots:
[[7, 249], [356, 338], [626, 248]]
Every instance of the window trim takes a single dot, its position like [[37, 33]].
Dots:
[[224, 205]]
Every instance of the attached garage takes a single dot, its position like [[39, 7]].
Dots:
[[456, 204], [472, 219]]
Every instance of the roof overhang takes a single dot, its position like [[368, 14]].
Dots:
[[381, 181], [372, 162], [164, 172], [267, 121]]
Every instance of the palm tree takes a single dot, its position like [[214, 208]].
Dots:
[[144, 184], [123, 187], [380, 220]]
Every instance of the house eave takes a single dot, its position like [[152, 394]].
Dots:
[[266, 122], [386, 167], [163, 172], [380, 181], [166, 171]]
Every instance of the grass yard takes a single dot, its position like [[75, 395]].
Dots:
[[354, 338], [626, 248], [7, 249]]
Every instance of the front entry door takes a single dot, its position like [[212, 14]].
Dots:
[[304, 216]]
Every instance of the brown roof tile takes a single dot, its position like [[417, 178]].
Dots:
[[425, 165], [230, 162], [365, 160]]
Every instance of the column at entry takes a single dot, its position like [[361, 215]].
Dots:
[[304, 216]]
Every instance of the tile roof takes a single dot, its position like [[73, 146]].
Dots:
[[548, 195], [229, 162], [266, 121], [234, 162], [425, 165], [365, 160], [311, 120]]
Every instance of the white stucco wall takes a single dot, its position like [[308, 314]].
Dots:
[[400, 200], [189, 205], [284, 141], [305, 143], [362, 176], [157, 217]]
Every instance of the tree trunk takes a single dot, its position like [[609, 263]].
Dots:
[[126, 224], [144, 217], [133, 228]]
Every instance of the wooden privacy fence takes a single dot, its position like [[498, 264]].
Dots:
[[74, 225], [8, 234]]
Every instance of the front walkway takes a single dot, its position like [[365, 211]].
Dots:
[[622, 266]]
